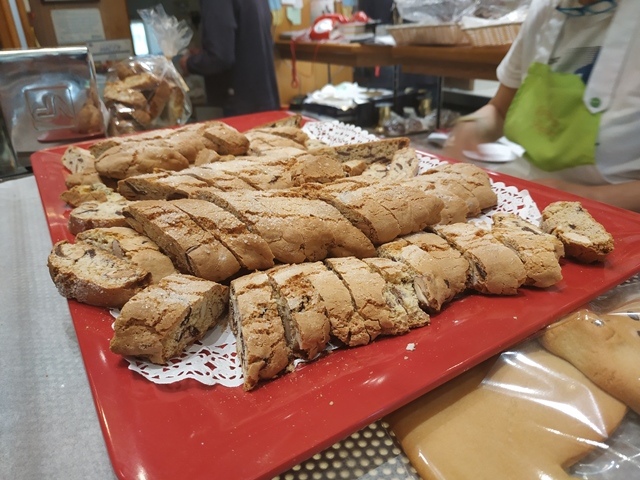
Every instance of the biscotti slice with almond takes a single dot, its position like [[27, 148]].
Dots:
[[370, 152], [296, 229], [474, 178], [95, 214], [455, 208], [453, 265], [226, 139], [494, 268], [400, 278], [251, 250], [382, 313], [346, 324], [97, 192], [78, 160], [192, 249], [302, 311], [537, 250], [290, 121], [404, 164], [316, 169], [160, 322], [217, 179], [583, 237], [260, 339], [159, 186], [429, 282], [90, 275], [132, 159], [451, 184], [127, 244]]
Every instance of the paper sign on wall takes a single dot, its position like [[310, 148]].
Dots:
[[77, 25], [320, 7]]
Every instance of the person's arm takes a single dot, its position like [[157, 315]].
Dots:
[[623, 195], [218, 53], [484, 125]]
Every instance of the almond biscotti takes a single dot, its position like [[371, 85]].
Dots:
[[302, 311], [584, 239], [370, 152], [382, 313], [251, 250], [347, 325], [429, 278], [159, 186], [455, 208], [494, 268], [296, 229], [474, 178], [260, 339], [131, 159], [127, 244], [97, 192], [399, 278], [160, 322], [90, 275], [537, 250], [192, 249], [94, 214], [226, 139]]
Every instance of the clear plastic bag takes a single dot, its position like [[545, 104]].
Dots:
[[541, 410], [144, 93], [172, 35]]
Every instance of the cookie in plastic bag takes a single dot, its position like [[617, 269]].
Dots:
[[144, 93]]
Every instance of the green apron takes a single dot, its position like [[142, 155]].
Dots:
[[549, 119]]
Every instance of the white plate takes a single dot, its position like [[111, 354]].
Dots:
[[491, 152]]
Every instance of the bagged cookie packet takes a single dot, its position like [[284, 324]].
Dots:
[[145, 93]]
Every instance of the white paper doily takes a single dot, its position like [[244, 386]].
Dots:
[[213, 360]]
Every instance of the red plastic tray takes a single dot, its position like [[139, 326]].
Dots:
[[190, 431]]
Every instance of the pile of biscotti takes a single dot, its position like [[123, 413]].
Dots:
[[303, 243]]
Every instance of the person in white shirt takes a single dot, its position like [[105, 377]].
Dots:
[[569, 93]]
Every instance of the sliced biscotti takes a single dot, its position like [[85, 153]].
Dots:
[[159, 186], [454, 266], [494, 268], [251, 250], [78, 160], [400, 278], [98, 148], [474, 178], [97, 192], [583, 237], [94, 214], [382, 313], [90, 275], [302, 310], [429, 282], [260, 338], [131, 159], [226, 139], [127, 244], [316, 169], [347, 325], [370, 152], [160, 322], [220, 180], [452, 186], [404, 164], [537, 250], [381, 211], [192, 249], [455, 208], [296, 229], [260, 174], [290, 121]]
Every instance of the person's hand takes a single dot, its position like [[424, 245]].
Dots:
[[466, 136]]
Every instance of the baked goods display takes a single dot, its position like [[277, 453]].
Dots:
[[274, 215]]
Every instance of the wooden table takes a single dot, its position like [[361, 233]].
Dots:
[[460, 62]]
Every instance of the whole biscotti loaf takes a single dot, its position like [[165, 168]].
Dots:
[[90, 275], [161, 321]]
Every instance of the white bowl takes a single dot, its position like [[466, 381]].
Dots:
[[491, 152]]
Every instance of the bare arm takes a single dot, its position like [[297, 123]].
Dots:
[[487, 125], [623, 195]]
